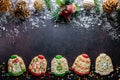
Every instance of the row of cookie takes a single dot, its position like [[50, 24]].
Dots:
[[59, 65]]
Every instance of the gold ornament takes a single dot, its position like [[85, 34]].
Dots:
[[110, 5], [21, 10], [5, 5], [38, 5]]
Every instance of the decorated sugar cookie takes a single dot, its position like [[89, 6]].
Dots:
[[81, 65], [16, 65], [59, 66], [38, 65], [88, 4], [103, 64]]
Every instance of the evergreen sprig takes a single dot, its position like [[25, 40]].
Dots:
[[98, 6], [48, 4]]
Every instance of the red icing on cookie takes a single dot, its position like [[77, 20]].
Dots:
[[15, 61], [85, 55], [36, 74], [80, 73], [40, 57]]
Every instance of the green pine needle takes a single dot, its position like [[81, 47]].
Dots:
[[77, 7], [48, 4], [60, 2], [98, 6], [67, 2], [55, 14]]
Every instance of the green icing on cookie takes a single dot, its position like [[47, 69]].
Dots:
[[34, 70], [13, 56], [23, 70], [59, 67], [59, 75], [18, 74], [58, 56], [40, 66], [36, 59], [15, 74], [33, 60]]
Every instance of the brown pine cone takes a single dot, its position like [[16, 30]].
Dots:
[[21, 4], [5, 5], [110, 5], [21, 10], [2, 2], [26, 14], [118, 7], [38, 5]]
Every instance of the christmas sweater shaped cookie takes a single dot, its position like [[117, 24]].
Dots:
[[59, 66], [103, 64], [38, 65], [81, 65], [16, 66]]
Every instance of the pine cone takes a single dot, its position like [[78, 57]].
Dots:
[[110, 5], [5, 5], [88, 4], [38, 5], [2, 1], [118, 6], [21, 10], [21, 4]]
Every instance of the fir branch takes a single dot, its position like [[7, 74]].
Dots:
[[48, 4], [77, 7], [67, 2], [60, 2], [98, 6], [55, 14]]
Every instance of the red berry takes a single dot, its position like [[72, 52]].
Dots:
[[66, 12], [61, 13]]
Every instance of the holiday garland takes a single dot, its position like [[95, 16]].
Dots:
[[65, 11]]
